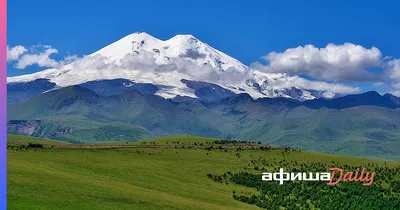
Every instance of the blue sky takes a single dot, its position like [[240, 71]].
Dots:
[[241, 29]]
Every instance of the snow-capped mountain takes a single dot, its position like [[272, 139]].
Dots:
[[184, 46], [142, 58]]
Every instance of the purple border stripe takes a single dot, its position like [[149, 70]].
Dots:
[[3, 104]]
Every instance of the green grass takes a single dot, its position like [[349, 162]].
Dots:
[[183, 139], [28, 139], [136, 178]]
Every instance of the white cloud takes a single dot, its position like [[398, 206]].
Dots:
[[296, 81], [393, 76], [347, 62], [396, 85], [378, 84], [36, 55], [69, 59], [41, 57], [92, 62], [393, 71], [15, 52], [396, 93], [146, 62]]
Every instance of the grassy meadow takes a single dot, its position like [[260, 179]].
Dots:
[[157, 174], [17, 139]]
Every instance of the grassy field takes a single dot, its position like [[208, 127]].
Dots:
[[162, 177], [16, 139]]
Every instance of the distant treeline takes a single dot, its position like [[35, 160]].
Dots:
[[24, 146]]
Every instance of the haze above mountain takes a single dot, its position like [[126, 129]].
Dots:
[[174, 65]]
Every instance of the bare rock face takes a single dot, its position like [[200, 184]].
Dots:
[[36, 128], [25, 127]]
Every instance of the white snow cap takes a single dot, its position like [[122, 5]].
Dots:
[[143, 58]]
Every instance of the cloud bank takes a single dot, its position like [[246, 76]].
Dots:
[[347, 62], [336, 63], [297, 81], [145, 63]]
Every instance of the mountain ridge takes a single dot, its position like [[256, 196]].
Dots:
[[77, 114]]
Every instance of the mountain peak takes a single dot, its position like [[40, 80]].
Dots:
[[371, 93], [140, 35], [184, 37], [73, 90]]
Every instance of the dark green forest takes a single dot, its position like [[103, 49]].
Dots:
[[384, 193]]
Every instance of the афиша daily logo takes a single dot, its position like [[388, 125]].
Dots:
[[334, 177]]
